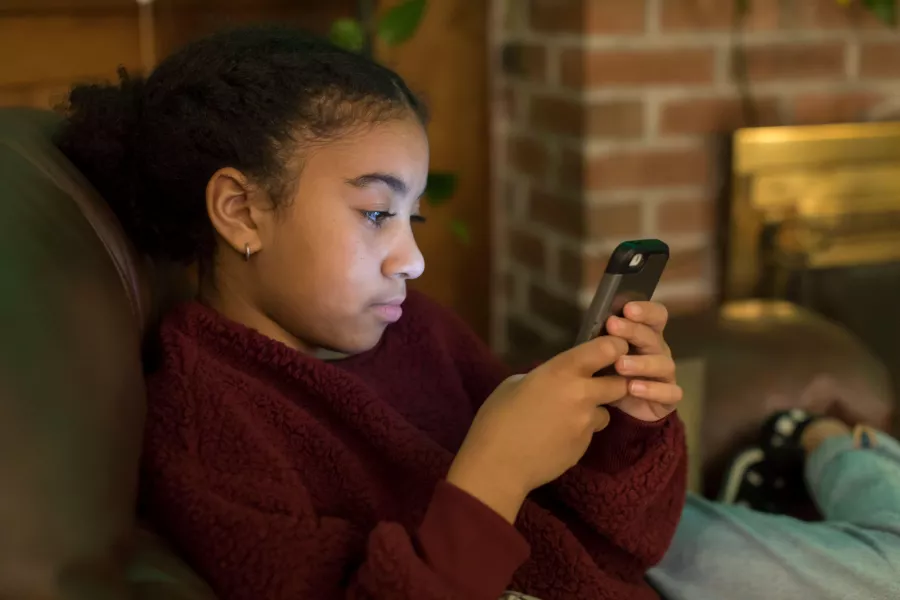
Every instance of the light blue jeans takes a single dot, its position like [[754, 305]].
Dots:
[[723, 551]]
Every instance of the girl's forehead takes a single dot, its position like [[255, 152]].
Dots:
[[396, 148]]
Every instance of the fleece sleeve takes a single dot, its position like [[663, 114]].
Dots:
[[624, 499]]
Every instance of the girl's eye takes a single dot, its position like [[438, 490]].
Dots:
[[377, 217]]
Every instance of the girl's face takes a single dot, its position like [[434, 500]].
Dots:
[[329, 269]]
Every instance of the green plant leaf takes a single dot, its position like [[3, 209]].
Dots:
[[348, 34], [400, 22], [440, 187], [460, 230], [886, 10]]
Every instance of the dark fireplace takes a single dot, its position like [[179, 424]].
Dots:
[[813, 216]]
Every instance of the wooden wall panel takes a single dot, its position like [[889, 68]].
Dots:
[[180, 21], [447, 63], [32, 7], [37, 95], [65, 47], [51, 47], [77, 6]]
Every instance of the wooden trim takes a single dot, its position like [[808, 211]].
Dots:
[[58, 47], [147, 35]]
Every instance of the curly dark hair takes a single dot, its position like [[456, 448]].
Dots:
[[243, 98]]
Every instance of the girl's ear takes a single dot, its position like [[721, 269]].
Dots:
[[231, 205]]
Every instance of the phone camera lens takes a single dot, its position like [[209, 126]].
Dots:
[[636, 260]]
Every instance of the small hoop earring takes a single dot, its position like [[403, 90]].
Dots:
[[247, 252]]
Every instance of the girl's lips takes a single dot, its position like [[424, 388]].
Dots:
[[389, 312]]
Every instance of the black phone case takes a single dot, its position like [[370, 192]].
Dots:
[[623, 283]]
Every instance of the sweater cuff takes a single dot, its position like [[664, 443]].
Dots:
[[624, 441], [469, 544]]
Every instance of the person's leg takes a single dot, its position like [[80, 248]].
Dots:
[[858, 485], [722, 551]]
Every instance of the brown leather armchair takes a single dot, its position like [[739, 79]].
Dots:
[[75, 303], [73, 308]]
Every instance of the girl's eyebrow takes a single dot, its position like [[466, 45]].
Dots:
[[396, 185]]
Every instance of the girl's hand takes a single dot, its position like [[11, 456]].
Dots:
[[652, 391], [535, 427]]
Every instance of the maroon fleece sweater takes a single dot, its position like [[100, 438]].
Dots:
[[281, 476]]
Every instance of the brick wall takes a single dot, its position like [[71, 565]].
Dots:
[[603, 121]]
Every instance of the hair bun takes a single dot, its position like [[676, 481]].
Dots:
[[100, 137]]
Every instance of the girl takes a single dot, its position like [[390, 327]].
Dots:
[[317, 431]]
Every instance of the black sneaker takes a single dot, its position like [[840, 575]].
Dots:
[[768, 477], [781, 433]]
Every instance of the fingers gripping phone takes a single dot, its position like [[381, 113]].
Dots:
[[633, 272]]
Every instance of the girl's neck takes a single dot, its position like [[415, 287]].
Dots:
[[229, 299]]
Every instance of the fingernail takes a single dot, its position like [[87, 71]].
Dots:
[[863, 437], [638, 388], [636, 310], [627, 364], [865, 441]]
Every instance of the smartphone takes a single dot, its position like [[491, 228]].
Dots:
[[633, 272]]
